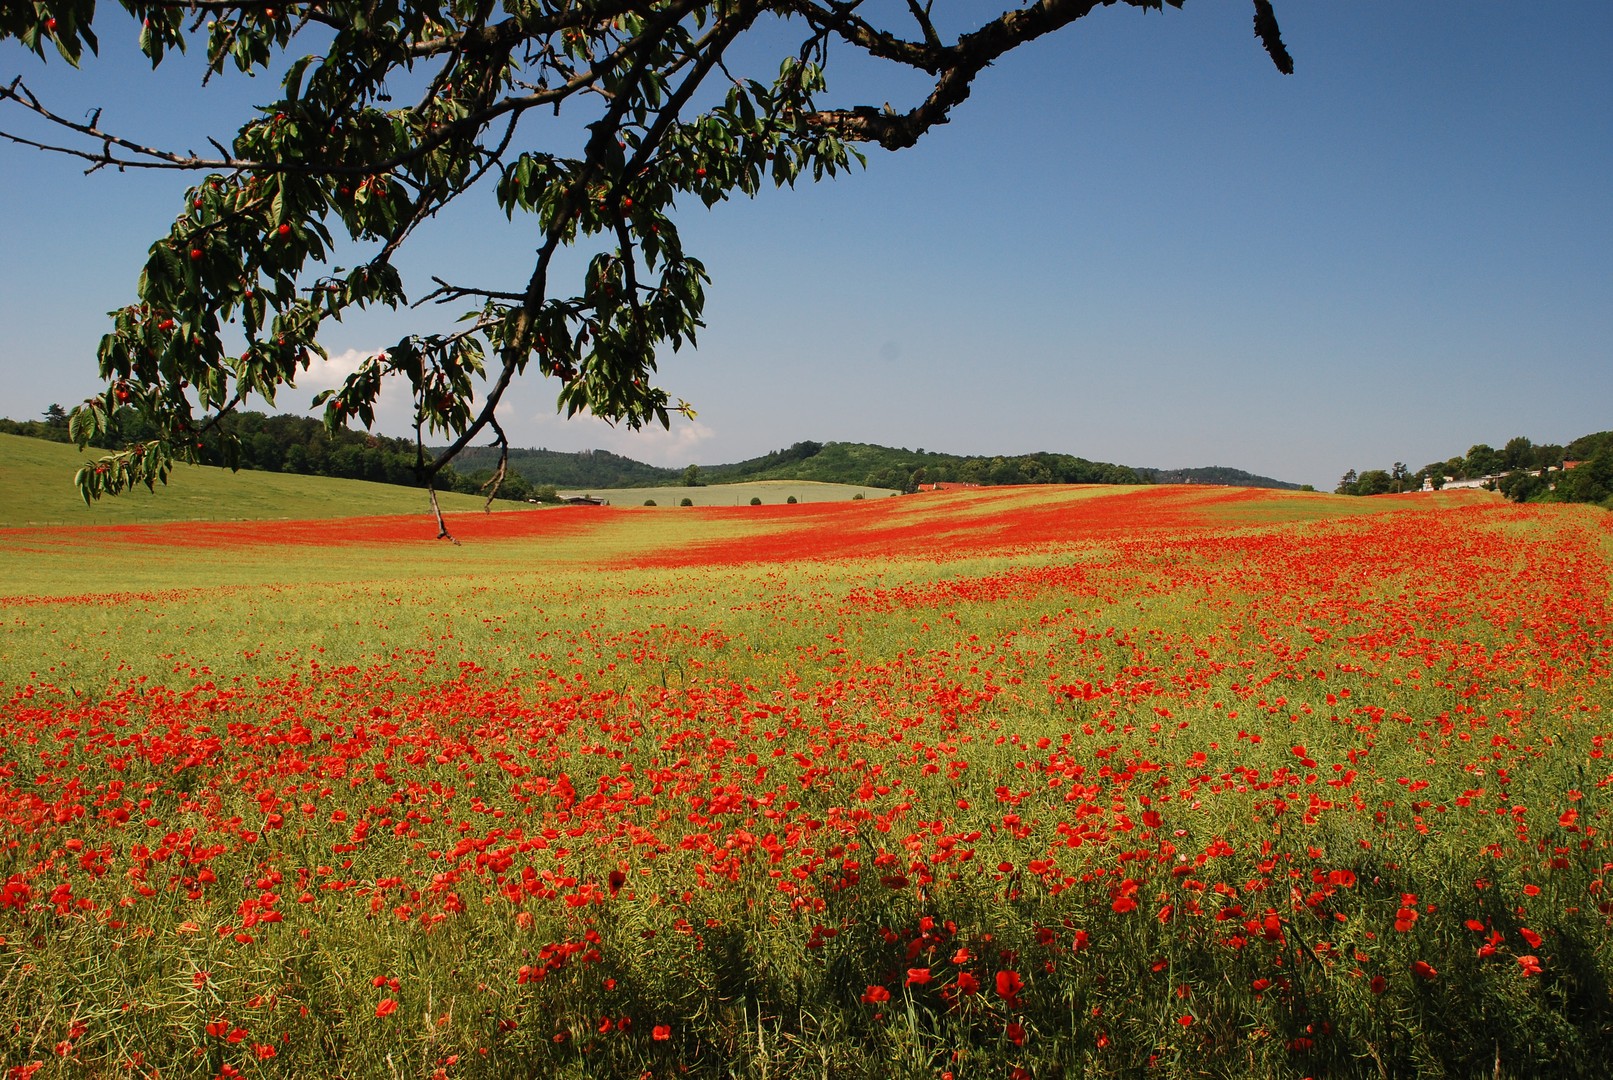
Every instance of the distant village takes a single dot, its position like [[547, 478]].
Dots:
[[1493, 480]]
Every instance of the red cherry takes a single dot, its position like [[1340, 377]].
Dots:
[[195, 253], [50, 25], [284, 230], [166, 324], [700, 172]]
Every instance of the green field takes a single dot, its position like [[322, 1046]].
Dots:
[[1176, 782], [38, 479], [771, 492]]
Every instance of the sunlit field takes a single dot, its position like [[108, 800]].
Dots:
[[37, 477], [1028, 782]]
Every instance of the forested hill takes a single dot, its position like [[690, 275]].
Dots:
[[898, 469], [581, 469], [1216, 474], [299, 444], [835, 463]]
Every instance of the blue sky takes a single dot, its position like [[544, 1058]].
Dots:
[[1136, 242]]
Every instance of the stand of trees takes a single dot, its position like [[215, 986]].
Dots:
[[897, 469], [1043, 468], [1522, 470], [300, 444]]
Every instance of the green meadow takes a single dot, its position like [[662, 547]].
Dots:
[[1180, 782], [38, 479], [771, 492]]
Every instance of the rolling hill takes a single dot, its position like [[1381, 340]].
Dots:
[[865, 464], [37, 477]]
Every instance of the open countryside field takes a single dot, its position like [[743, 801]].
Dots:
[[999, 783], [37, 477], [771, 492]]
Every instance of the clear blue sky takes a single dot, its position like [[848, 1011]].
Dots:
[[1136, 242]]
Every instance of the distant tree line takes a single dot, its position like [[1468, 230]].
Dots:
[[1522, 470], [584, 469], [52, 427], [1218, 474], [295, 444], [896, 469], [1043, 468]]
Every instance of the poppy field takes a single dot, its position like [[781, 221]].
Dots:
[[1016, 782]]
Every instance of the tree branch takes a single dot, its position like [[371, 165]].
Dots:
[[957, 66]]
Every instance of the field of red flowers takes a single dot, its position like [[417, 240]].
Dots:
[[1006, 783]]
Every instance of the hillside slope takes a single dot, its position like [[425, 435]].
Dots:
[[37, 477]]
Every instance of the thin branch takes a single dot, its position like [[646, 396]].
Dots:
[[957, 65], [857, 31], [445, 293], [921, 13], [442, 526], [483, 418], [630, 272], [497, 481]]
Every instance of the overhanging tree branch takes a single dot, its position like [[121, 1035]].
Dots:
[[331, 161]]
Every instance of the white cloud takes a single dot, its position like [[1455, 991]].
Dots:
[[327, 374], [394, 412]]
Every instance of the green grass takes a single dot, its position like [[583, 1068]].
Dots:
[[37, 477], [771, 492]]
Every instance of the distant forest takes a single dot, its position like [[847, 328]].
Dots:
[[834, 463], [1523, 471], [298, 444], [896, 469]]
